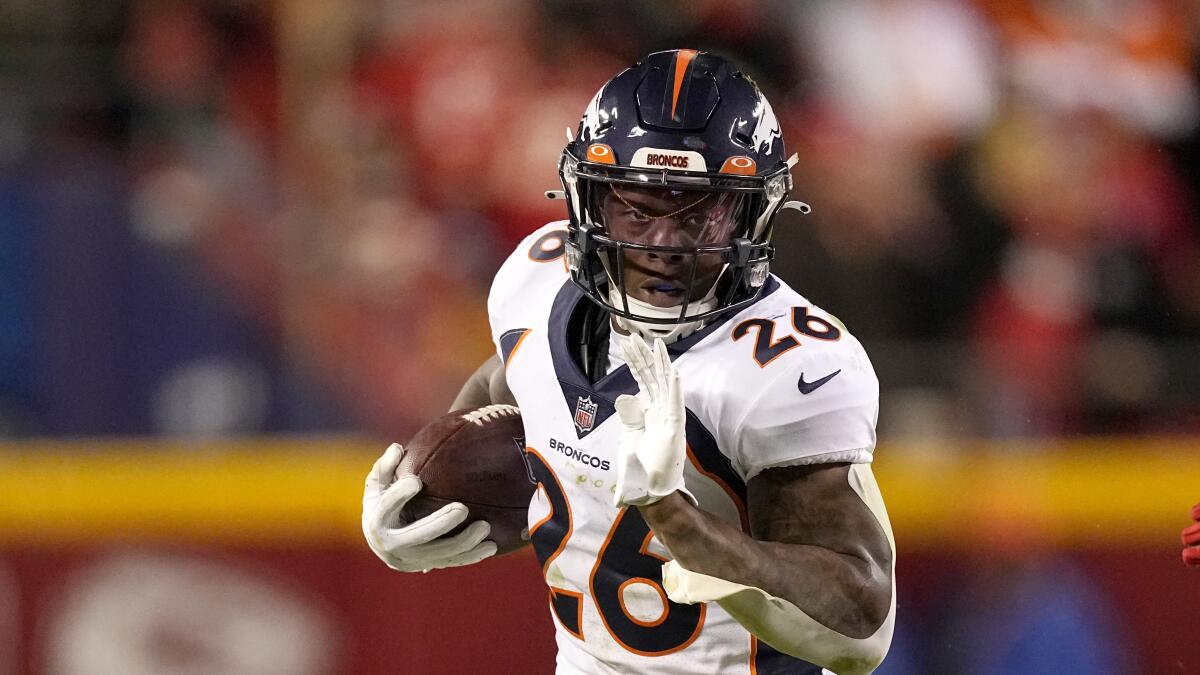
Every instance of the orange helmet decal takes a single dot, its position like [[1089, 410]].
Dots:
[[740, 165], [600, 153]]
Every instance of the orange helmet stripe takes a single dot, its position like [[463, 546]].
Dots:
[[683, 58]]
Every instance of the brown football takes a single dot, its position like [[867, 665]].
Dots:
[[475, 457]]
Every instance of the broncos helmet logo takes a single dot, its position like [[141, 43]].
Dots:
[[767, 129]]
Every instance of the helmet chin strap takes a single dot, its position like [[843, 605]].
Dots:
[[668, 332]]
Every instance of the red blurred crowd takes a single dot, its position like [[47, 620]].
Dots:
[[1004, 192]]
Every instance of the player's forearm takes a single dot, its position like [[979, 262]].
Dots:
[[846, 592]]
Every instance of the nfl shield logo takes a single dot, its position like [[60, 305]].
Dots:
[[585, 414]]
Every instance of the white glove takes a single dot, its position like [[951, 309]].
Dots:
[[415, 546], [652, 448]]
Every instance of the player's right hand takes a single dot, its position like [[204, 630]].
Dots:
[[652, 447], [1191, 539], [418, 546]]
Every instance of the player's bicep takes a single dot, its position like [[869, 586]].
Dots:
[[486, 386], [816, 505]]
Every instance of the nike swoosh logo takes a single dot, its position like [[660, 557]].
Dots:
[[810, 387]]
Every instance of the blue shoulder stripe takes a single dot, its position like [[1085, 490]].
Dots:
[[509, 341]]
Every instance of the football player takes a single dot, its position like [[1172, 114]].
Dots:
[[701, 433], [1191, 539]]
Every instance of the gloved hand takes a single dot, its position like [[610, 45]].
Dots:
[[1191, 539], [415, 546], [652, 448]]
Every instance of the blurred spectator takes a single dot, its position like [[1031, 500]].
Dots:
[[994, 213]]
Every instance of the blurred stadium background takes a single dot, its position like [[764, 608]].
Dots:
[[244, 244]]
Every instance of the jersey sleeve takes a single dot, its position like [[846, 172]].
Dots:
[[533, 270], [833, 422]]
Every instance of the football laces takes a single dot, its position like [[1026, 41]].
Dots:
[[489, 413]]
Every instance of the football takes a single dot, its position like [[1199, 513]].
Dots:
[[476, 457]]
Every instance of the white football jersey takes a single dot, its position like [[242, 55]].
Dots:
[[779, 383]]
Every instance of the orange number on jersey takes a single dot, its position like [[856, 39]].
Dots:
[[813, 326], [767, 348], [623, 560], [549, 247], [549, 537]]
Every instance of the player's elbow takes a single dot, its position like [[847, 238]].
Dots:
[[862, 663], [859, 599], [844, 657], [862, 656], [871, 599], [856, 647]]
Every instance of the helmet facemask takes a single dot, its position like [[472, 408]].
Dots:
[[665, 251]]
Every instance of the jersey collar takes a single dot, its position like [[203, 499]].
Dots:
[[577, 391]]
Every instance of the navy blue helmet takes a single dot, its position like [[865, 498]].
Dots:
[[677, 171]]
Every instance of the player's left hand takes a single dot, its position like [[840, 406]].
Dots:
[[423, 544], [651, 450], [1191, 539]]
